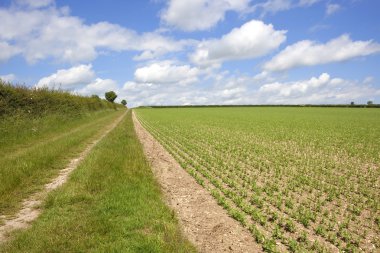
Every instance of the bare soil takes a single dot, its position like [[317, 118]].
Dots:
[[206, 224], [31, 207]]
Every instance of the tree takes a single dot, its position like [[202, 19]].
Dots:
[[352, 103], [124, 102], [370, 102], [110, 96], [95, 96]]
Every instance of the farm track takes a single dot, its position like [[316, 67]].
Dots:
[[206, 224], [31, 206], [19, 150]]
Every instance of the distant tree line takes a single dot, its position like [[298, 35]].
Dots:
[[369, 104]]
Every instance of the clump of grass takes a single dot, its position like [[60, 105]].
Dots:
[[111, 203]]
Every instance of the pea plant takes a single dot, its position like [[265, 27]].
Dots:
[[299, 179]]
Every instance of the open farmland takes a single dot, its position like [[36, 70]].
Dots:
[[300, 179]]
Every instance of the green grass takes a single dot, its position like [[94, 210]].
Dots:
[[40, 130], [310, 168], [31, 162], [111, 203], [28, 114]]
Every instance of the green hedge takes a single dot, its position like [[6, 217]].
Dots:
[[17, 99]]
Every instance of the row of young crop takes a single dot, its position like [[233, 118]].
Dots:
[[227, 198], [333, 190], [284, 208]]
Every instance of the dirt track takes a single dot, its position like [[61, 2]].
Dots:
[[204, 222], [30, 209]]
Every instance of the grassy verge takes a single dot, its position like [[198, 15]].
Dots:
[[40, 130], [111, 203], [29, 114], [20, 132], [30, 163]]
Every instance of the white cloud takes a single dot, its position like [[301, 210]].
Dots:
[[68, 78], [34, 3], [332, 8], [191, 15], [253, 39], [216, 87], [98, 87], [165, 72], [317, 90], [7, 51], [274, 6], [309, 53], [368, 80], [42, 33], [8, 78], [286, 90], [307, 2], [134, 86], [241, 89], [81, 80]]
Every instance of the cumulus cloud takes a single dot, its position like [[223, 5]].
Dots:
[[68, 78], [332, 8], [80, 79], [317, 90], [166, 72], [253, 39], [310, 53], [98, 86], [42, 33], [242, 89], [7, 51], [150, 87], [301, 87], [191, 15], [8, 77]]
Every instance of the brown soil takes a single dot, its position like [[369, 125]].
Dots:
[[204, 222], [30, 209]]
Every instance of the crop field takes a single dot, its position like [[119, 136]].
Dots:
[[300, 179]]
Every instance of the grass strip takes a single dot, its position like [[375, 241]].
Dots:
[[111, 203], [22, 173]]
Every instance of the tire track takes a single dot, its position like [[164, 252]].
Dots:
[[31, 206]]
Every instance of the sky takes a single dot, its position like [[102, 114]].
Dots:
[[183, 52]]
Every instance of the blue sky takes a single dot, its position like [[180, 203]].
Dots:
[[159, 52]]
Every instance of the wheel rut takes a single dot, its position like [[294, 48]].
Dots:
[[31, 206]]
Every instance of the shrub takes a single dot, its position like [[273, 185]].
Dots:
[[110, 96]]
